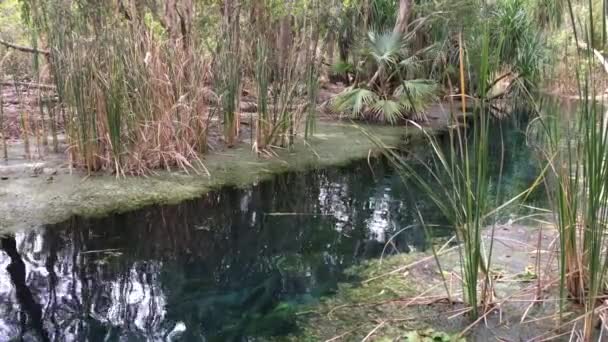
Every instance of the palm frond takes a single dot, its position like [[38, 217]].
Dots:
[[388, 111], [354, 100], [385, 48], [342, 68], [411, 64], [419, 89]]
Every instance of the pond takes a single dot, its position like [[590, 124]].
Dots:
[[230, 266]]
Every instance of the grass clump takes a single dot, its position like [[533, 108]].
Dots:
[[134, 101], [575, 149]]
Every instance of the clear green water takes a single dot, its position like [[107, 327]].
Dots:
[[231, 266]]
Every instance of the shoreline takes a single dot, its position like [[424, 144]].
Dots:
[[32, 195]]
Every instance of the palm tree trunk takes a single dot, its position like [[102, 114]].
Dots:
[[405, 9]]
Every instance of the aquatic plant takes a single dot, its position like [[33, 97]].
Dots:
[[460, 182], [575, 147], [312, 89], [228, 82], [262, 74], [283, 76], [576, 150], [3, 130]]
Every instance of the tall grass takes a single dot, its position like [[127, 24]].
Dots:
[[134, 100], [457, 181], [228, 79], [3, 132], [312, 88], [281, 78], [262, 75], [576, 148]]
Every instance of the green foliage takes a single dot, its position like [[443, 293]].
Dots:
[[389, 96], [363, 104], [548, 13], [342, 70], [430, 335], [385, 49], [517, 40], [16, 64], [11, 24], [355, 100], [460, 185], [419, 92]]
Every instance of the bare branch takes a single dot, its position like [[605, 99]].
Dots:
[[27, 85], [23, 48], [600, 57]]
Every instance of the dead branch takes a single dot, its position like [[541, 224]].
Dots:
[[27, 85], [23, 48], [600, 57]]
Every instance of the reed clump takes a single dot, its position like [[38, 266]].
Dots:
[[134, 99], [457, 181], [284, 75], [575, 148]]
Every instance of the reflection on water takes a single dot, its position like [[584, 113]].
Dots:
[[225, 267], [228, 267]]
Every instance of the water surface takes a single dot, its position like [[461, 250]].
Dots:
[[231, 266]]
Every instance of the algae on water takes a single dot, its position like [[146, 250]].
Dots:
[[30, 202]]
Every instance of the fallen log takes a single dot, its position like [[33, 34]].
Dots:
[[24, 48], [27, 85]]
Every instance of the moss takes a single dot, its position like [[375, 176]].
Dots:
[[356, 309], [383, 300], [30, 202]]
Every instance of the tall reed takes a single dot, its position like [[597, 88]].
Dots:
[[134, 100], [576, 148], [457, 181], [262, 75], [228, 80], [3, 132], [312, 89], [281, 78]]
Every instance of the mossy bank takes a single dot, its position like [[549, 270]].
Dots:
[[385, 309], [27, 201], [404, 298]]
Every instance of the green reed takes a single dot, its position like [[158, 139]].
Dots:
[[134, 101], [457, 181]]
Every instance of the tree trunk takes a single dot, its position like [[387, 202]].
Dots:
[[285, 39], [178, 16], [330, 47], [405, 9]]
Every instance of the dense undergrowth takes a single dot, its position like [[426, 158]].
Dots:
[[143, 85]]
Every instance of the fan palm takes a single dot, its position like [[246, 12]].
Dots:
[[387, 96], [385, 48], [412, 96]]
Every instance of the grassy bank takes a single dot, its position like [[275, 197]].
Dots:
[[27, 202], [403, 298]]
